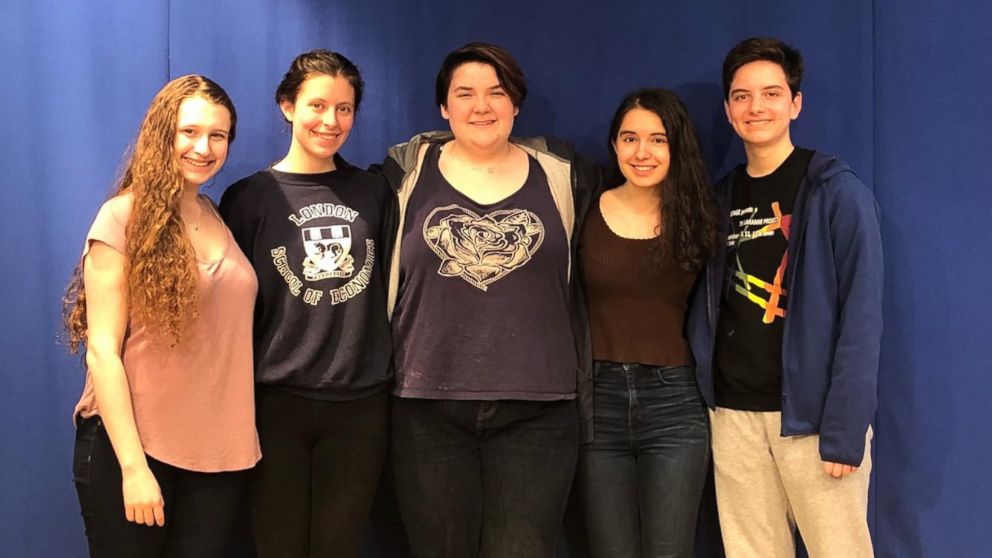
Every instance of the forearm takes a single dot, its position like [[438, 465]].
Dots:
[[113, 398]]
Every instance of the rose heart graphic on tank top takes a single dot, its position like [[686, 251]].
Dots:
[[482, 249]]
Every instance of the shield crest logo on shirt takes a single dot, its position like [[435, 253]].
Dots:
[[328, 252]]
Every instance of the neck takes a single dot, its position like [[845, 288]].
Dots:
[[639, 199], [300, 163], [480, 157], [763, 160], [191, 193]]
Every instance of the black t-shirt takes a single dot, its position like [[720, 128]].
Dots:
[[316, 243], [482, 310], [753, 305]]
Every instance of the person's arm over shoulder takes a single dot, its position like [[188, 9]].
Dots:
[[239, 209], [857, 249]]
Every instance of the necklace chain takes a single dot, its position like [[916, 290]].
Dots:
[[491, 169], [199, 215]]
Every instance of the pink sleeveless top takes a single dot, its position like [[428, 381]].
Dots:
[[194, 402]]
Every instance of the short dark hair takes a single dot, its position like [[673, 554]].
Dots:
[[319, 61], [688, 207], [508, 71], [764, 48]]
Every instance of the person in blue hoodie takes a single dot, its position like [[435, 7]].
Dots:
[[786, 327]]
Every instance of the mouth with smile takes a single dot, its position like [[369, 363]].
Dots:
[[325, 136], [198, 163], [483, 122], [642, 169]]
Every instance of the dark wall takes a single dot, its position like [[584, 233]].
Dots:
[[898, 89]]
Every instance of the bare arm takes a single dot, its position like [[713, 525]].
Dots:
[[106, 316]]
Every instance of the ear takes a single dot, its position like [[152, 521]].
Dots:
[[726, 110], [797, 105], [288, 109], [444, 113], [516, 111]]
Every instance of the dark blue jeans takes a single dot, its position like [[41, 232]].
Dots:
[[200, 508], [642, 476], [483, 478]]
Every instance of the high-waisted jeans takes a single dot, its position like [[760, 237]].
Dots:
[[642, 476], [483, 479]]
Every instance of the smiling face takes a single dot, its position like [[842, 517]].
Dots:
[[322, 117], [760, 106], [202, 132], [642, 148], [478, 110]]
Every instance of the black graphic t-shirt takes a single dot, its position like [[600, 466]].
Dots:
[[482, 308], [315, 241], [753, 305]]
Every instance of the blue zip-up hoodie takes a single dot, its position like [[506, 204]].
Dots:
[[833, 323]]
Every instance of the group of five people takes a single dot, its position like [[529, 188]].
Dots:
[[496, 313]]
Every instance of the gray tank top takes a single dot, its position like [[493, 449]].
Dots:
[[482, 311]]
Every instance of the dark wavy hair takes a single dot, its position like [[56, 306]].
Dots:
[[768, 49], [688, 235], [319, 61]]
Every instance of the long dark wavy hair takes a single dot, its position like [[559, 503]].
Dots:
[[160, 273], [688, 235]]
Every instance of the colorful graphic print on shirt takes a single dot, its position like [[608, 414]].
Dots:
[[327, 245], [750, 227], [482, 249]]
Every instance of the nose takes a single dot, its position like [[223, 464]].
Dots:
[[756, 104], [330, 118], [642, 150], [202, 145], [482, 104]]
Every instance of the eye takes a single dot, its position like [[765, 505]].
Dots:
[[188, 132], [739, 97], [318, 106], [627, 139], [219, 136], [659, 140], [499, 93], [774, 94], [345, 109]]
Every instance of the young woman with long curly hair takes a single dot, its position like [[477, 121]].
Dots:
[[641, 249], [162, 301]]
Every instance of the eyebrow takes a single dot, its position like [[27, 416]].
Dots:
[[467, 88], [766, 88], [622, 132]]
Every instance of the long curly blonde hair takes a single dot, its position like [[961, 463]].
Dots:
[[160, 270]]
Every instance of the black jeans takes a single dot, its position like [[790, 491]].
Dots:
[[643, 475], [321, 461], [483, 479], [200, 508]]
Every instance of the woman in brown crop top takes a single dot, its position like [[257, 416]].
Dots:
[[641, 249]]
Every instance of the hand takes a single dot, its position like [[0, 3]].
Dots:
[[838, 470], [143, 503]]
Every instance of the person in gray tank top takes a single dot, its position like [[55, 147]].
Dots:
[[485, 428]]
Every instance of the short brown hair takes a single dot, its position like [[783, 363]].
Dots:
[[768, 49], [511, 77]]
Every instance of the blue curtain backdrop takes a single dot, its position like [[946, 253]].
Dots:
[[899, 89]]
